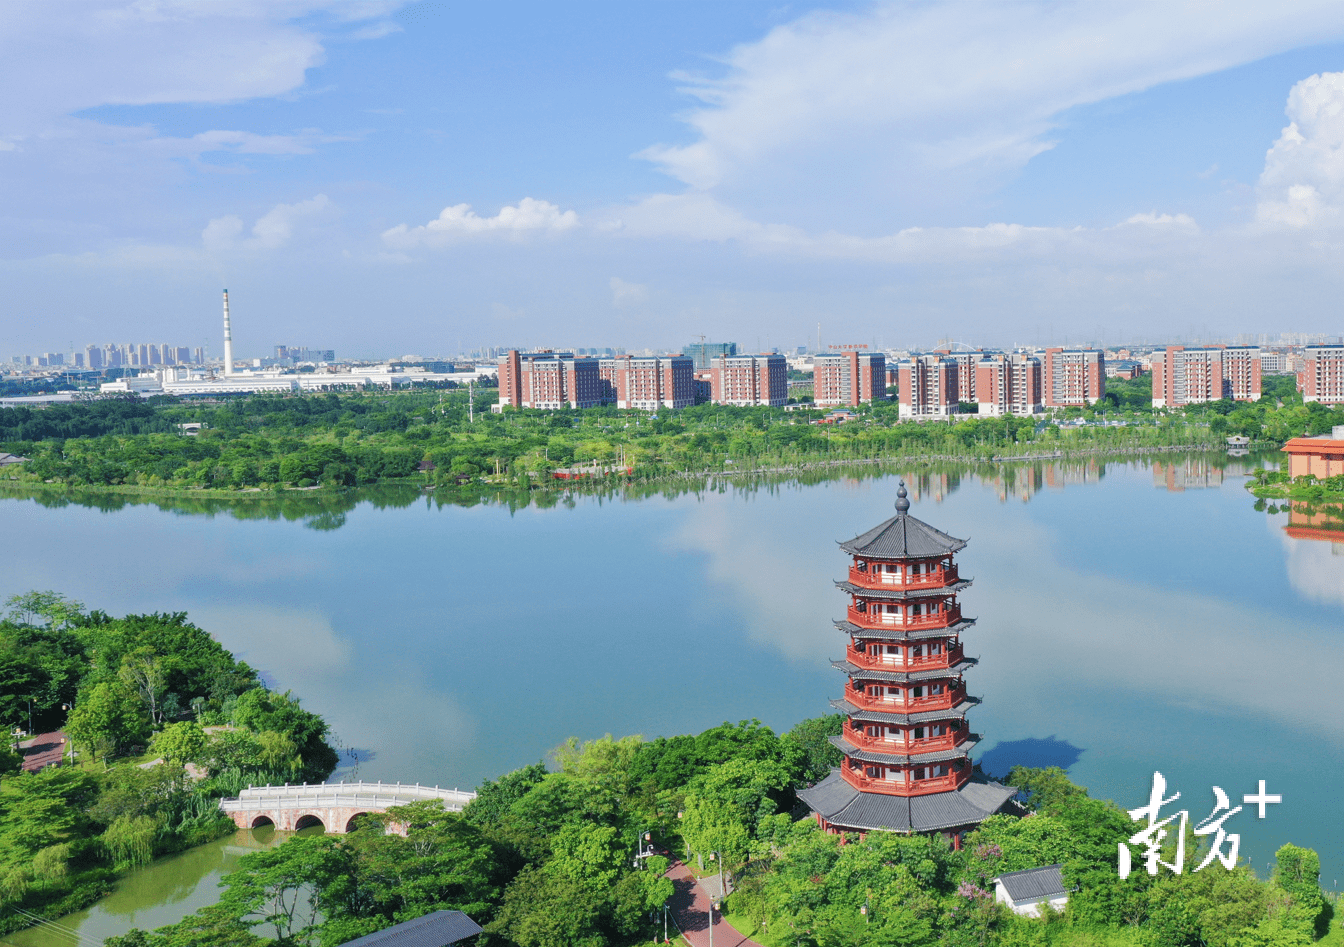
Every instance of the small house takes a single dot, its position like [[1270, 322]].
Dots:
[[1026, 891], [439, 929]]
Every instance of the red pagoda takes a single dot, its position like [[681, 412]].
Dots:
[[906, 743]]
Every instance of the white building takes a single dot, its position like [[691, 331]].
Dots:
[[1025, 891]]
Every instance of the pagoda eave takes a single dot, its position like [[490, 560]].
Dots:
[[896, 594], [856, 712], [897, 633], [931, 674], [960, 751], [847, 809]]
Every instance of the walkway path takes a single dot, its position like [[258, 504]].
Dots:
[[42, 751], [690, 909]]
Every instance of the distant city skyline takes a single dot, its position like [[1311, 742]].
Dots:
[[391, 177]]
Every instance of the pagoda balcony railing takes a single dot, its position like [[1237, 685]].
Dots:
[[910, 787], [907, 704], [948, 741], [876, 577], [872, 618], [896, 662]]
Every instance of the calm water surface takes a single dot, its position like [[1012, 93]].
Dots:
[[1131, 618]]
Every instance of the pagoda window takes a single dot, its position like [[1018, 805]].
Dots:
[[936, 689], [937, 730], [896, 734], [921, 772], [917, 692], [917, 651], [939, 770], [861, 565], [919, 733], [895, 775]]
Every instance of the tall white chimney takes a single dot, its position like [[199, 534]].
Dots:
[[228, 338]]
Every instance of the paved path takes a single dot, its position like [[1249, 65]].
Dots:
[[41, 751], [690, 909]]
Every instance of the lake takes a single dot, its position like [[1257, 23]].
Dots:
[[1133, 616]]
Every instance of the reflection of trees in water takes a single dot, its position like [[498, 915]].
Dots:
[[927, 478]]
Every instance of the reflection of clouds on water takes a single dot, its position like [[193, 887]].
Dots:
[[391, 708]]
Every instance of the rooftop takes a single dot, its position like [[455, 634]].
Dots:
[[903, 537], [438, 929], [1033, 884], [843, 806]]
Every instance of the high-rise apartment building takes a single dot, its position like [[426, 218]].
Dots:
[[966, 362], [1008, 384], [849, 378], [1072, 378], [929, 387], [749, 380], [1184, 376], [1321, 377], [548, 380], [648, 383]]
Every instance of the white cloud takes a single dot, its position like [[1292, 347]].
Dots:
[[272, 230], [529, 215], [1303, 181], [624, 295], [1154, 219], [853, 119]]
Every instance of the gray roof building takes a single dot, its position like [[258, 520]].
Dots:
[[1025, 891], [839, 803], [438, 929]]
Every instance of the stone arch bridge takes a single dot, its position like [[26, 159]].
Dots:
[[334, 806]]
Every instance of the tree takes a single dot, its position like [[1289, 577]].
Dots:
[[819, 754], [105, 719], [147, 674], [60, 612], [283, 887], [180, 743]]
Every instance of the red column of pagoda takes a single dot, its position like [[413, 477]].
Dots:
[[906, 742]]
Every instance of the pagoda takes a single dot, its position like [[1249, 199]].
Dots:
[[906, 744]]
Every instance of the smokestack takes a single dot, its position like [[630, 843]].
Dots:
[[228, 338]]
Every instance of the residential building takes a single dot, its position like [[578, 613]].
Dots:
[[1242, 366], [966, 363], [1072, 378], [1321, 377], [905, 744], [1184, 376], [749, 380], [929, 387], [1273, 363], [849, 378], [1008, 384], [648, 383], [548, 380]]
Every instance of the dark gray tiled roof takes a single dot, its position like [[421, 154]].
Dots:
[[1034, 884], [898, 594], [897, 633], [933, 674], [846, 807], [877, 716], [903, 537], [438, 929], [872, 756]]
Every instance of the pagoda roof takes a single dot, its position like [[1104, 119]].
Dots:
[[899, 594], [903, 537], [856, 712], [962, 749], [845, 807], [932, 674], [897, 633]]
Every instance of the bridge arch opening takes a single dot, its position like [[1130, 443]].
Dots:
[[308, 822], [358, 819], [261, 821]]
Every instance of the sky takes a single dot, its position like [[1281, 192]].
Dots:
[[387, 178]]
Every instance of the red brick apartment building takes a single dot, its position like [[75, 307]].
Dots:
[[1184, 376], [929, 387], [648, 383], [548, 380], [1008, 384], [1072, 378], [749, 380], [1322, 375], [849, 378]]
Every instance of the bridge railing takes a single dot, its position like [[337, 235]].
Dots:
[[372, 795]]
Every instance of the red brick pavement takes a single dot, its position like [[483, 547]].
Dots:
[[690, 909], [42, 751]]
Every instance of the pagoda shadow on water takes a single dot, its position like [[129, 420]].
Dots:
[[906, 743]]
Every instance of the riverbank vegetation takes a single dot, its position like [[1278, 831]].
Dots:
[[556, 857], [139, 698], [265, 443]]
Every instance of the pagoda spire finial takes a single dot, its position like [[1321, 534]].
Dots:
[[902, 502]]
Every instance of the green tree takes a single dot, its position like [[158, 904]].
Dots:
[[283, 887], [179, 742], [105, 719]]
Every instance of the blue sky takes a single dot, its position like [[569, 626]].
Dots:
[[387, 178]]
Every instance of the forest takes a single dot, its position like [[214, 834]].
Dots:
[[433, 438]]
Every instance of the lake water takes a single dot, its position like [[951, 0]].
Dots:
[[1132, 617]]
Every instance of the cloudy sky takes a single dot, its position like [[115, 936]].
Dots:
[[387, 178]]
